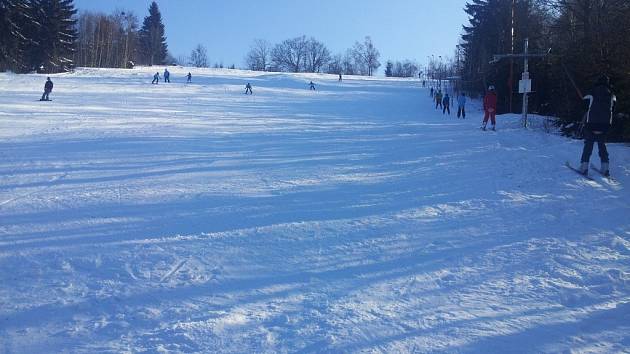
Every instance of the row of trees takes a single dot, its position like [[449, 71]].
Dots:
[[117, 41], [48, 36], [581, 40], [405, 68], [302, 54]]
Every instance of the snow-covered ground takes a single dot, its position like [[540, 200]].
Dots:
[[193, 218]]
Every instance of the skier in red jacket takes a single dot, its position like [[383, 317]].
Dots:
[[490, 108]]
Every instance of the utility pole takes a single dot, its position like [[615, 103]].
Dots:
[[525, 85]]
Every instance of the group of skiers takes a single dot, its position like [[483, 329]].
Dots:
[[489, 105], [595, 125], [444, 102], [167, 77]]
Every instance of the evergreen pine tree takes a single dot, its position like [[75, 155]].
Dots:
[[153, 49], [14, 26], [52, 42], [389, 69]]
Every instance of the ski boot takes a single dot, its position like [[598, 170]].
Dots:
[[605, 169], [583, 168]]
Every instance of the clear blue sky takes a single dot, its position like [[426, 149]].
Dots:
[[400, 29]]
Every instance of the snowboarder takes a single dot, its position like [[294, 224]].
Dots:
[[311, 86], [48, 86], [597, 122], [446, 102], [490, 108], [461, 105], [167, 76], [156, 78], [248, 89], [438, 99], [189, 78]]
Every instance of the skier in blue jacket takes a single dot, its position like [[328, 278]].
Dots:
[[446, 103]]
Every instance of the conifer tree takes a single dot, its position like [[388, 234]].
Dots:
[[153, 48], [14, 26], [52, 41], [389, 69]]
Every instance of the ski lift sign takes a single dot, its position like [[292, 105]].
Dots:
[[525, 85]]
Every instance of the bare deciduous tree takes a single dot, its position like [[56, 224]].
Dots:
[[290, 55], [258, 57], [199, 57], [317, 55], [366, 56]]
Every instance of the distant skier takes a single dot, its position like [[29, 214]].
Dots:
[[248, 89], [340, 78], [446, 102], [167, 76], [438, 99], [189, 78], [597, 122], [490, 108], [311, 86], [431, 94], [48, 86], [461, 105], [156, 78]]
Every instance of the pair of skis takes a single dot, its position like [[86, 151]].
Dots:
[[594, 168]]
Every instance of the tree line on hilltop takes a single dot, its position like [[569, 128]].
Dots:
[[49, 36]]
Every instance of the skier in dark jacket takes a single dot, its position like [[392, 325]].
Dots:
[[167, 76], [597, 122], [461, 105], [248, 89], [156, 78], [311, 86], [446, 102], [189, 78], [48, 86]]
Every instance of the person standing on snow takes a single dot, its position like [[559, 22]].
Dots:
[[340, 78], [189, 78], [248, 89], [48, 86], [446, 102], [597, 122], [461, 105], [438, 99], [156, 78], [431, 94], [167, 76], [311, 86], [490, 108]]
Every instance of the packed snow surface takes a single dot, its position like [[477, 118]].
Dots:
[[357, 218]]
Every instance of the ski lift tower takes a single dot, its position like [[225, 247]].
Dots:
[[525, 84]]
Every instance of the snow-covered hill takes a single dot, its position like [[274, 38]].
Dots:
[[193, 218]]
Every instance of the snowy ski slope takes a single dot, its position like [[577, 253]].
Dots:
[[139, 218]]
